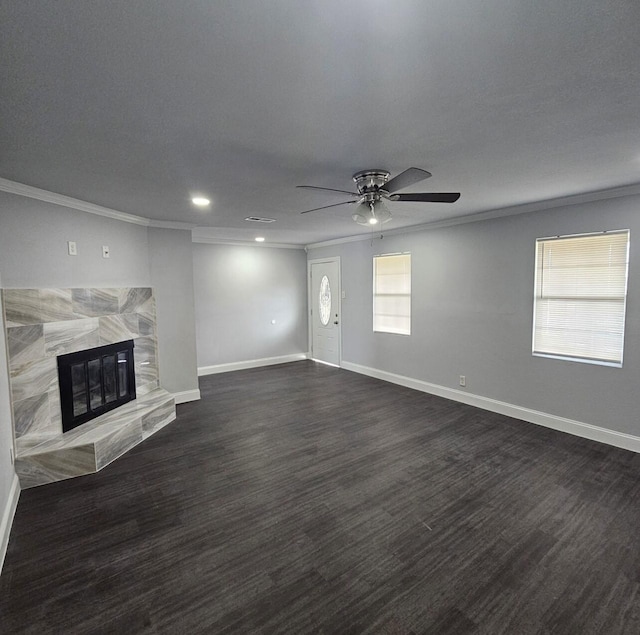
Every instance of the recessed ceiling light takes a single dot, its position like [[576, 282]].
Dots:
[[200, 201], [259, 239]]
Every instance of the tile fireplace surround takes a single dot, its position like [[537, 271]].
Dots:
[[44, 323]]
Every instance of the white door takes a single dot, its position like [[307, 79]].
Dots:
[[325, 311]]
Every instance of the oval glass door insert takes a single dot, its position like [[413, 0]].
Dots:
[[324, 301]]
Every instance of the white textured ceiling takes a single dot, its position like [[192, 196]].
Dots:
[[134, 105]]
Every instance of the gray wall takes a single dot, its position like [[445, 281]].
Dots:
[[7, 473], [33, 253], [171, 263], [472, 308], [238, 292], [33, 247]]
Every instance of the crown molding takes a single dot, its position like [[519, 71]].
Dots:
[[170, 224], [21, 189], [514, 210], [28, 191], [211, 240], [67, 201], [358, 238]]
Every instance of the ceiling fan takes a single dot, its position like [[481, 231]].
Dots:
[[374, 188]]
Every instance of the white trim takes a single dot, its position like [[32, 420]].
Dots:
[[185, 396], [12, 187], [21, 189], [250, 363], [321, 361], [577, 428], [352, 239], [66, 201], [579, 360], [170, 224], [212, 240], [7, 518], [514, 210]]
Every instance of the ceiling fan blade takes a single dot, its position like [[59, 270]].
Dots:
[[425, 197], [325, 189], [405, 179], [315, 209]]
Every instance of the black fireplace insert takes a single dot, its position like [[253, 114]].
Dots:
[[95, 381]]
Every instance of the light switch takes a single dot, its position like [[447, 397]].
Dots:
[[71, 246], [105, 251]]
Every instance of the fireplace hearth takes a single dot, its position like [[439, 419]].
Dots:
[[95, 381]]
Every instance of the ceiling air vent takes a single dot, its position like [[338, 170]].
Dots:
[[257, 219]]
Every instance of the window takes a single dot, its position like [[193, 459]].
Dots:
[[580, 295], [392, 294]]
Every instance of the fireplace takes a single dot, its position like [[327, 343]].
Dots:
[[94, 381], [44, 324]]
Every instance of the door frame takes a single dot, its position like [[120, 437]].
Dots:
[[317, 261]]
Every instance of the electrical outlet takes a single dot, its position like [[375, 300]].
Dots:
[[72, 248], [463, 380], [105, 251]]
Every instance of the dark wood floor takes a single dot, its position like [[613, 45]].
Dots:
[[306, 499]]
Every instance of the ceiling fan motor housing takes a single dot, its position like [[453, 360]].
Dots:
[[371, 181]]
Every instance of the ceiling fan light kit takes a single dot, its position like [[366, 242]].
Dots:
[[377, 214], [374, 187]]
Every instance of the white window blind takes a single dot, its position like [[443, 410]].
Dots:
[[392, 294], [580, 296]]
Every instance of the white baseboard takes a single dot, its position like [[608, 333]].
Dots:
[[250, 363], [321, 361], [7, 518], [186, 395], [577, 428]]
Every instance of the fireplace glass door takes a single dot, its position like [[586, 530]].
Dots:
[[95, 381]]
